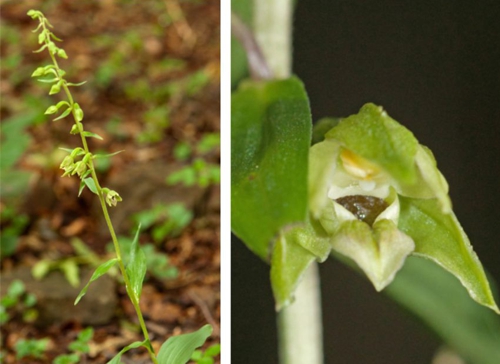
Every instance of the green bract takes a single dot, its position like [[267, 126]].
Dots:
[[380, 197]]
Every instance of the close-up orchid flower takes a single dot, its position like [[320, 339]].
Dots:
[[380, 197]]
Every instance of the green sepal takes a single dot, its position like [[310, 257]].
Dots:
[[289, 261], [322, 159], [439, 237], [178, 349], [375, 136], [430, 182], [100, 271], [270, 137]]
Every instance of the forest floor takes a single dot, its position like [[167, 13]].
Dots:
[[152, 91]]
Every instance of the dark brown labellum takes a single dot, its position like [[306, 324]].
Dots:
[[365, 208]]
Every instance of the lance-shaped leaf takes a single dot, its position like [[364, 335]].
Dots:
[[178, 349], [440, 237], [270, 137], [101, 270], [117, 358], [438, 299], [136, 267]]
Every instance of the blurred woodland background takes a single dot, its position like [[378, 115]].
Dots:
[[152, 72]]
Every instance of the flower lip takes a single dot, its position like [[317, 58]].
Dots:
[[365, 208]]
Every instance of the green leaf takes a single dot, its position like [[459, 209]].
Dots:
[[438, 299], [136, 267], [178, 349], [92, 135], [213, 350], [101, 270], [270, 137], [89, 181], [440, 237], [16, 288], [86, 334], [134, 345], [375, 136], [67, 359], [82, 187]]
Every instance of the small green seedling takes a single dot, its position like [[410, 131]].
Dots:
[[31, 348], [165, 220], [69, 266], [78, 347], [199, 172], [17, 300], [206, 357]]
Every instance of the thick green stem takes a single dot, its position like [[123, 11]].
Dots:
[[272, 25], [299, 325]]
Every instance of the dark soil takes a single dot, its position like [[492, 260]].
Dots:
[[152, 83]]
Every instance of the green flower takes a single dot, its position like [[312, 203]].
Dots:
[[379, 196], [112, 197], [68, 165]]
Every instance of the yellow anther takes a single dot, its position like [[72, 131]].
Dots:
[[358, 166]]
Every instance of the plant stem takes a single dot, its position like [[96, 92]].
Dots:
[[272, 25], [135, 302], [299, 325]]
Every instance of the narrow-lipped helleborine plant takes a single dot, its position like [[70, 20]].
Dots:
[[80, 162]]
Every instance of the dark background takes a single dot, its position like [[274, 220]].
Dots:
[[435, 67]]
